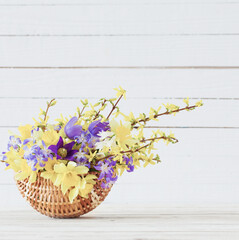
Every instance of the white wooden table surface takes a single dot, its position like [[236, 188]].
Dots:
[[127, 222]]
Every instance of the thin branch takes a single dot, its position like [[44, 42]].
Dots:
[[122, 152], [80, 114], [154, 159], [48, 106], [163, 137], [113, 108], [164, 113], [97, 114]]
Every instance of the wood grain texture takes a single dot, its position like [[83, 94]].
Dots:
[[109, 2], [127, 222], [120, 19], [121, 51], [139, 83]]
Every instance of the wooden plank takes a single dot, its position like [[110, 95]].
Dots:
[[127, 224], [92, 83], [115, 19], [213, 114], [120, 51], [109, 2]]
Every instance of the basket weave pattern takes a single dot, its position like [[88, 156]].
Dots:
[[49, 200]]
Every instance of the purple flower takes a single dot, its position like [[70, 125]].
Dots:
[[62, 151], [4, 158], [81, 159], [81, 139], [129, 162], [86, 139], [92, 140], [106, 172], [97, 126], [79, 155], [25, 141], [35, 155], [57, 127], [72, 130], [105, 168], [46, 151], [109, 181], [14, 142], [41, 159]]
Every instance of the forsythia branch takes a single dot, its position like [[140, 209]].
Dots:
[[48, 106], [164, 113], [114, 107]]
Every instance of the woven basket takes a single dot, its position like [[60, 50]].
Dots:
[[49, 200]]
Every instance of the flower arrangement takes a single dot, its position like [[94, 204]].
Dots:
[[76, 152]]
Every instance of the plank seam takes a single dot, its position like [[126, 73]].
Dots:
[[119, 35], [119, 67]]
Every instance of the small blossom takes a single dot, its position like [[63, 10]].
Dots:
[[14, 142], [35, 155], [129, 162], [81, 159], [4, 158], [81, 139], [105, 168], [97, 126], [109, 181]]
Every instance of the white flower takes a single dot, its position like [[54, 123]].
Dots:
[[103, 135], [107, 142], [37, 135]]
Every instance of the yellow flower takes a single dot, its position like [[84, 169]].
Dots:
[[37, 135], [50, 137], [129, 118], [67, 176], [83, 188], [12, 159], [25, 171], [120, 92], [152, 113], [186, 101], [199, 104], [61, 121], [91, 156], [123, 133], [49, 167], [25, 131]]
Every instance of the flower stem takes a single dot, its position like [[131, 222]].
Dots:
[[48, 106], [129, 151], [80, 114], [97, 114], [114, 106], [163, 137], [164, 113]]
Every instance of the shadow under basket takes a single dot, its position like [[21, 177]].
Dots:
[[49, 200]]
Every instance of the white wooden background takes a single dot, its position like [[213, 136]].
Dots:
[[159, 51]]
